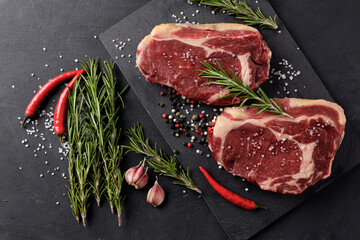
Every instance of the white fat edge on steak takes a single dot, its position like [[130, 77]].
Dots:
[[307, 168]]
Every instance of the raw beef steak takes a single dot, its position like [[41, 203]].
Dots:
[[172, 53], [282, 155]]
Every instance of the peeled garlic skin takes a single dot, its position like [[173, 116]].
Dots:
[[155, 195]]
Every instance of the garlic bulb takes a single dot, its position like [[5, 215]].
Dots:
[[155, 195], [137, 176]]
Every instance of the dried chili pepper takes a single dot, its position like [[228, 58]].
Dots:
[[230, 196], [41, 94], [60, 109]]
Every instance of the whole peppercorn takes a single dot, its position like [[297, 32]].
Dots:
[[194, 117], [175, 151], [161, 104], [212, 124], [201, 115], [162, 93], [164, 115], [189, 145]]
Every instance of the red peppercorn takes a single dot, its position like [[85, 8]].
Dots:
[[169, 89], [177, 94], [209, 129], [164, 115], [162, 93], [189, 145], [201, 115], [202, 133], [177, 125], [162, 85], [197, 131], [212, 124], [192, 102], [184, 130]]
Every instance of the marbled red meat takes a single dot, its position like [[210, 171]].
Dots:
[[172, 53], [283, 155]]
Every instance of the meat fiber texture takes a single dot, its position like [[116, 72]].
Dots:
[[172, 54], [281, 154]]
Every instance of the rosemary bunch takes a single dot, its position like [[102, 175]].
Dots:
[[242, 11], [159, 161], [239, 89], [101, 99]]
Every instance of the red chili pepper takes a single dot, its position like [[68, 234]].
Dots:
[[41, 94], [230, 196], [60, 109]]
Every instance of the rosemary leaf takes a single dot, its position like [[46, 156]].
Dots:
[[239, 89], [242, 11], [158, 160]]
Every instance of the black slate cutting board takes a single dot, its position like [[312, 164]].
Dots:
[[238, 223]]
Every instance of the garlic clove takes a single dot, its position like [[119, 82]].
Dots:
[[137, 176], [129, 175], [155, 195], [142, 181], [140, 171]]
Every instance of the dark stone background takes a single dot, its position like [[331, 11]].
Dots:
[[326, 31]]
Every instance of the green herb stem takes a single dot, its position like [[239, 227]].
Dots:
[[159, 161], [239, 90], [242, 11]]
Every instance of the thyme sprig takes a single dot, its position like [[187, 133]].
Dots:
[[158, 160], [242, 11], [239, 90]]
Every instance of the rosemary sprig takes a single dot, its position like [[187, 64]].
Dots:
[[157, 160], [239, 89], [114, 151], [242, 11], [93, 99], [75, 133]]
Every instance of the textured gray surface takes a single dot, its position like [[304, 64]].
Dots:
[[327, 33]]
